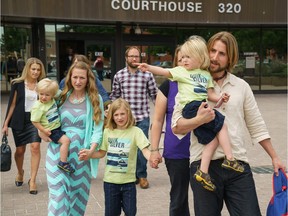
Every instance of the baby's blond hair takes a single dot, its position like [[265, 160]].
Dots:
[[47, 85]]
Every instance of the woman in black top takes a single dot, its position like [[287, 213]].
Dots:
[[21, 99]]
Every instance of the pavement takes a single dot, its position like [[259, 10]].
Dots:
[[154, 201]]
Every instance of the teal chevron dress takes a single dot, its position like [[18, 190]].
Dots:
[[69, 193]]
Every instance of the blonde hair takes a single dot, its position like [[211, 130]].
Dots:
[[115, 105], [26, 70], [47, 85], [196, 47], [91, 88], [231, 47]]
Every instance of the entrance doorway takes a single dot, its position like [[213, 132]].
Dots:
[[67, 48], [155, 49]]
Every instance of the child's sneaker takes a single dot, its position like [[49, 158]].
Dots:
[[205, 180], [66, 167], [232, 165]]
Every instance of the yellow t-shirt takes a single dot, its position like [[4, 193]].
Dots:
[[121, 147], [192, 84]]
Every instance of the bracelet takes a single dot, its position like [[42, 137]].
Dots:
[[154, 150]]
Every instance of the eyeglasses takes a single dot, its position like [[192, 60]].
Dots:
[[133, 56]]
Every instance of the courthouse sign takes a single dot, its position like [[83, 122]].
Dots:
[[240, 12]]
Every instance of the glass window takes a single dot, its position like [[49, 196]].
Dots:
[[248, 67], [274, 59], [51, 64], [15, 50]]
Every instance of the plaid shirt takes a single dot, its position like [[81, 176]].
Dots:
[[136, 89]]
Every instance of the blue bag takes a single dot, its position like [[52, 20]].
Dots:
[[279, 201]]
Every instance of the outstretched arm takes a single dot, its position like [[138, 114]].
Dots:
[[146, 152], [84, 154], [154, 69]]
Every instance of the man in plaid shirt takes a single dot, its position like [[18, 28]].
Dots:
[[136, 87]]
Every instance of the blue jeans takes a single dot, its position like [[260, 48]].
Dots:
[[236, 189], [141, 168], [179, 174], [118, 196]]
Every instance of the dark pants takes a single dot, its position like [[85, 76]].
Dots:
[[118, 196], [141, 168], [179, 174], [235, 188]]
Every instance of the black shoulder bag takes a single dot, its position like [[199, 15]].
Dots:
[[5, 155]]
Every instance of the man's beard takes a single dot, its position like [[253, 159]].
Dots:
[[131, 65], [217, 69]]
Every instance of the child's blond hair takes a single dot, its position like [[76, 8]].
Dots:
[[115, 105], [196, 47], [47, 85]]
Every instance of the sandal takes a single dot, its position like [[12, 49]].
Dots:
[[66, 167], [19, 179]]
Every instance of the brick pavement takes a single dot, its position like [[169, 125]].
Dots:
[[155, 200]]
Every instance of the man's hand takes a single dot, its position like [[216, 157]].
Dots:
[[277, 164], [205, 113]]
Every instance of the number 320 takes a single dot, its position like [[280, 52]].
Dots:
[[229, 8]]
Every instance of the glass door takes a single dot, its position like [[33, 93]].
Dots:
[[98, 52]]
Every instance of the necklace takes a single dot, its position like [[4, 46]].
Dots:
[[219, 78], [75, 100]]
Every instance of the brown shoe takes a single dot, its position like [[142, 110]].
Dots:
[[144, 184]]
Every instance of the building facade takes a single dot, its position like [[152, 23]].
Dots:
[[52, 30]]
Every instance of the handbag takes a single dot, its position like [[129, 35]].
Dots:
[[279, 201], [5, 155]]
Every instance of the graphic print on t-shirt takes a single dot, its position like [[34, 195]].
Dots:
[[199, 82], [52, 114], [118, 154]]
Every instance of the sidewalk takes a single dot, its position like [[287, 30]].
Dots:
[[16, 201]]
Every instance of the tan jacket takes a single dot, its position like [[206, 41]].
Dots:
[[242, 117]]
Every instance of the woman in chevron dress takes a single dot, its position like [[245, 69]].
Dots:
[[81, 113]]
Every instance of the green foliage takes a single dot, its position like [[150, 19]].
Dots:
[[13, 39]]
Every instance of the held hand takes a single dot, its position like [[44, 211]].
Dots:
[[155, 159], [83, 154], [225, 97], [205, 113]]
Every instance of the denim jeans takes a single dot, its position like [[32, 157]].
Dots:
[[141, 168], [120, 196], [179, 174], [236, 189]]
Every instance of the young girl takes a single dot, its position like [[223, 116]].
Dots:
[[195, 85], [45, 117], [120, 141]]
